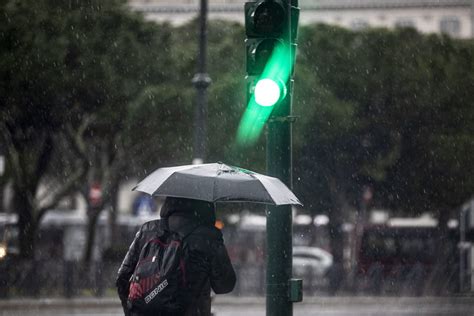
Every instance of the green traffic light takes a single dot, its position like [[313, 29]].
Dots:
[[267, 92], [270, 26]]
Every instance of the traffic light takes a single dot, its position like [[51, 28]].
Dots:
[[270, 27], [266, 27]]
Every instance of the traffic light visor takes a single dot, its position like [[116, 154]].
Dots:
[[258, 54], [268, 18]]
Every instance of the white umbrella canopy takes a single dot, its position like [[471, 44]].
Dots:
[[217, 182]]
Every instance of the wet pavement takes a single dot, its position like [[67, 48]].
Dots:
[[232, 306]]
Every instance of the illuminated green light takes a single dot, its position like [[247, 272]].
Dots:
[[267, 92]]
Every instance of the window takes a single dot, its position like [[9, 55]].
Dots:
[[450, 25], [359, 24], [404, 22]]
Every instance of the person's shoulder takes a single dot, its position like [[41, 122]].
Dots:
[[153, 225]]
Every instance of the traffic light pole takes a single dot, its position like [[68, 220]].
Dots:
[[281, 289], [271, 29], [279, 218]]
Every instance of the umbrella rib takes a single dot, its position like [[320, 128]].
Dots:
[[214, 188]]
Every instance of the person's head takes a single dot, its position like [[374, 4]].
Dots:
[[202, 211]]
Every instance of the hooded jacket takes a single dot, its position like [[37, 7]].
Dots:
[[207, 262]]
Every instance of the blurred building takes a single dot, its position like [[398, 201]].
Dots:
[[453, 17]]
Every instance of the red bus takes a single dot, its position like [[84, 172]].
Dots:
[[402, 259]]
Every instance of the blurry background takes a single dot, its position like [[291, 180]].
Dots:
[[97, 94]]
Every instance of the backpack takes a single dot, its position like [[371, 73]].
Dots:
[[158, 283]]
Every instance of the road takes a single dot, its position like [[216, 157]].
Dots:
[[229, 306]]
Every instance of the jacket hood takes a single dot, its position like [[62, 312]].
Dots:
[[198, 211]]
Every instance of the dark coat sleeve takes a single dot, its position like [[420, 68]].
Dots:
[[126, 270], [222, 274], [208, 267], [208, 261]]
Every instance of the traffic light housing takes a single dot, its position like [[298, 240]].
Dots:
[[271, 30], [268, 25], [265, 18], [265, 24]]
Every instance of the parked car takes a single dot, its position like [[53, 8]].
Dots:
[[312, 265]]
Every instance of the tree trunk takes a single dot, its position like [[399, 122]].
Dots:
[[113, 214], [2, 195], [337, 274], [446, 254], [92, 217], [27, 223]]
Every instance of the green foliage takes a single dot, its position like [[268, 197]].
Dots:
[[157, 128], [386, 108], [226, 94], [379, 111], [69, 72]]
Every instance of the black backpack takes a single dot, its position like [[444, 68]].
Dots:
[[158, 283]]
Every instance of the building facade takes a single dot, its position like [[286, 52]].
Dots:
[[453, 17]]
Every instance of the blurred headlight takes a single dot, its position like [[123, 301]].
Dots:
[[3, 251]]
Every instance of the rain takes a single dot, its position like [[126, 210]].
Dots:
[[377, 111]]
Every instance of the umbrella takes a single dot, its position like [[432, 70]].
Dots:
[[217, 182]]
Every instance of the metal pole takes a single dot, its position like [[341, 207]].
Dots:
[[279, 218], [201, 81], [461, 247], [2, 172], [280, 287], [472, 18]]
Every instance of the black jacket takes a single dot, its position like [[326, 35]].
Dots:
[[207, 261]]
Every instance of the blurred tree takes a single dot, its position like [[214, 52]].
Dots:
[[334, 149], [226, 101], [128, 56], [69, 72], [154, 130], [376, 109], [33, 51], [91, 92], [435, 132]]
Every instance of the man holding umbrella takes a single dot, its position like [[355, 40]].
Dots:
[[207, 262], [191, 192]]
